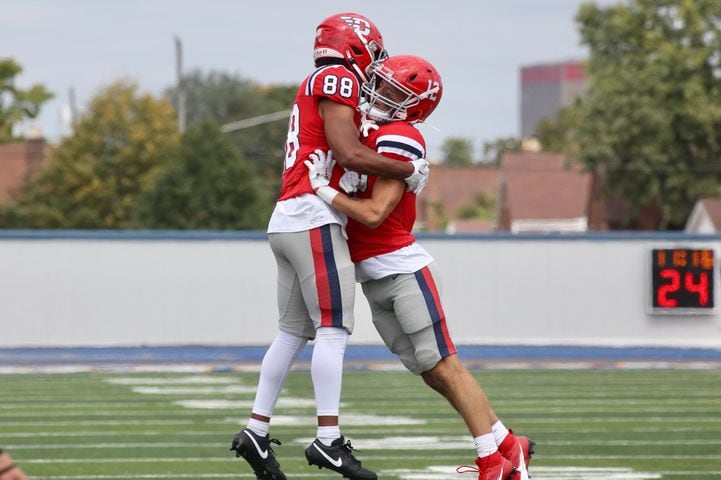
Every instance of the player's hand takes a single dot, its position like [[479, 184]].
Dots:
[[366, 126], [352, 182], [8, 470], [419, 178], [320, 167]]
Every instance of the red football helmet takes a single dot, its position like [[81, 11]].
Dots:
[[352, 37], [402, 87]]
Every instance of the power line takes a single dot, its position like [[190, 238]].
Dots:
[[253, 121]]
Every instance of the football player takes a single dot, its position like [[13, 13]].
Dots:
[[398, 277], [316, 285]]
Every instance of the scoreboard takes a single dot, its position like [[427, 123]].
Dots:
[[682, 280]]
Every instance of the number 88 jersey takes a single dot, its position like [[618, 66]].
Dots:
[[305, 128]]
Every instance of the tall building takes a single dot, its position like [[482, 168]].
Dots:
[[546, 88]]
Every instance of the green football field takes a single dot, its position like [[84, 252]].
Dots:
[[589, 424]]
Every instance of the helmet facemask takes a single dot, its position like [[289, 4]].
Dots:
[[376, 53], [385, 99]]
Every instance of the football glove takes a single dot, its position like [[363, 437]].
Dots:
[[419, 178], [320, 168]]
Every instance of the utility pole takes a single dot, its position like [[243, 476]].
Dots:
[[73, 106], [180, 87]]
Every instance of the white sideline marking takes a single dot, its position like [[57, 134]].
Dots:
[[250, 475], [194, 390], [368, 431], [376, 457], [158, 475], [100, 414], [112, 368], [74, 423], [395, 443], [345, 419], [623, 443], [283, 402], [163, 475], [106, 433], [53, 406], [551, 473], [408, 443], [565, 419], [128, 460], [90, 446], [191, 380]]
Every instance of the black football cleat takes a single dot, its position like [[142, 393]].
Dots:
[[257, 452], [339, 458]]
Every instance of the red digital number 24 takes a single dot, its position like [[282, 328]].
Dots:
[[700, 288]]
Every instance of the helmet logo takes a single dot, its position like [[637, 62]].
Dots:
[[360, 26], [432, 89]]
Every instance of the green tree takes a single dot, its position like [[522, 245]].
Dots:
[[494, 150], [483, 207], [96, 174], [206, 184], [559, 134], [223, 98], [457, 152], [17, 104], [650, 123]]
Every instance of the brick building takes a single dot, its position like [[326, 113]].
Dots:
[[19, 161]]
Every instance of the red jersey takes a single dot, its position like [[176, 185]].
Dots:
[[403, 142], [305, 128]]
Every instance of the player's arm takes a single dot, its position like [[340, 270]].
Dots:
[[342, 135], [387, 192], [372, 211]]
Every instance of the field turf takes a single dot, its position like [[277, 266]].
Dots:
[[589, 424]]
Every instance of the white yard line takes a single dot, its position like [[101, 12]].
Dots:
[[551, 473], [400, 458], [389, 443], [195, 390], [185, 380], [73, 423], [283, 402], [565, 473]]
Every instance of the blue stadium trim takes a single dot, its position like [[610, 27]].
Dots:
[[225, 354], [401, 146], [336, 299]]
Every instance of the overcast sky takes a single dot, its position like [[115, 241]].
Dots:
[[478, 46]]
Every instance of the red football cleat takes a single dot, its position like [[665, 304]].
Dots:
[[518, 451], [492, 467]]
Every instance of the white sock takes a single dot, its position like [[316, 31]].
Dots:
[[485, 445], [326, 368], [258, 427], [326, 435], [500, 432], [275, 367]]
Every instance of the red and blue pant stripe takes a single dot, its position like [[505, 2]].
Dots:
[[433, 302], [327, 281]]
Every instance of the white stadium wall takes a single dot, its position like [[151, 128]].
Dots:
[[112, 289]]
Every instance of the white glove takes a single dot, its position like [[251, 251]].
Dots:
[[319, 173], [419, 178], [320, 168], [366, 126], [352, 182]]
